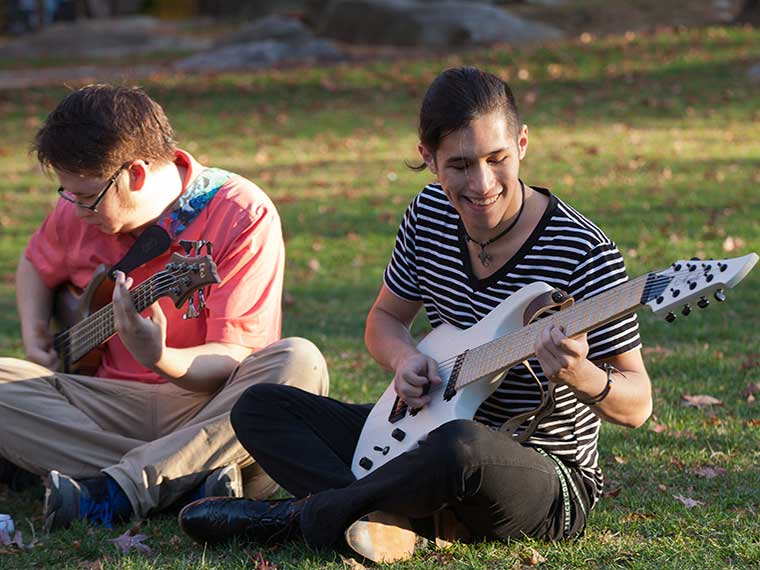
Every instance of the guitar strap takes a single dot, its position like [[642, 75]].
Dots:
[[556, 299], [157, 238]]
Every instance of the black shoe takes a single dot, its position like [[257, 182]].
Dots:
[[15, 477], [217, 519]]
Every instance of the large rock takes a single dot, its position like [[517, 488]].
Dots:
[[272, 27], [257, 55], [432, 23], [117, 37]]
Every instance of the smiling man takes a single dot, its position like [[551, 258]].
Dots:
[[468, 241], [150, 429]]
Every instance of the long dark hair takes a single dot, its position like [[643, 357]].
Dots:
[[456, 97]]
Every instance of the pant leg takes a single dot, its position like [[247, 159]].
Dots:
[[156, 474], [76, 424], [497, 488], [304, 441]]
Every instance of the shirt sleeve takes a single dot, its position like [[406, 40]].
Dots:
[[47, 248], [603, 268], [400, 274], [245, 308]]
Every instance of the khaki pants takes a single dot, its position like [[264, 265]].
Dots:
[[157, 441]]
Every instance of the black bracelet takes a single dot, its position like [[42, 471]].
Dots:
[[603, 394]]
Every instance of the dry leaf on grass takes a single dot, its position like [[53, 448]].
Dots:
[[259, 562], [352, 563], [128, 541], [531, 557], [709, 472], [751, 391], [699, 401], [688, 501]]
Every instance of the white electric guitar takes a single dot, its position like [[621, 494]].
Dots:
[[472, 362]]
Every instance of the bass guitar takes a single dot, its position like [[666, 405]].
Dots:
[[89, 316], [472, 362]]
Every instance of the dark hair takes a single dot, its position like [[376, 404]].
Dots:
[[456, 97], [98, 128]]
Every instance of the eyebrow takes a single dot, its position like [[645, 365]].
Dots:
[[468, 158]]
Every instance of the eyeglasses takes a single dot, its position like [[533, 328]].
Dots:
[[69, 197]]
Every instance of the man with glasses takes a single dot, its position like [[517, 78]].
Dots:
[[150, 430]]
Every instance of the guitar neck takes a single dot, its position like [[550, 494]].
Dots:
[[504, 352], [78, 340]]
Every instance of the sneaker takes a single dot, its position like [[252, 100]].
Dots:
[[16, 478], [99, 500], [224, 482]]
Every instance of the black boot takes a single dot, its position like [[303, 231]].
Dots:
[[217, 519]]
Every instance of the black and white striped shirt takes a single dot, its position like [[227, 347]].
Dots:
[[430, 263]]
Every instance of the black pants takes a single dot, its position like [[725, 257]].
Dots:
[[498, 488]]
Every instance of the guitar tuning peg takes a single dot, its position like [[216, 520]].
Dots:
[[703, 302], [191, 313], [686, 310], [720, 295], [670, 317], [198, 245], [208, 247], [201, 299], [186, 245]]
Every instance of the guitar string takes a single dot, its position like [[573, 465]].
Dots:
[[101, 321]]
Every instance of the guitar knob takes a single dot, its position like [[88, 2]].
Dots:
[[670, 317], [709, 277], [398, 434], [365, 463], [675, 292], [719, 295], [692, 285], [703, 302], [686, 310], [722, 267]]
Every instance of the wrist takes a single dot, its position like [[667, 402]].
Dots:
[[604, 392]]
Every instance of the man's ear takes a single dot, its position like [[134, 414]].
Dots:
[[428, 158], [138, 172], [522, 142]]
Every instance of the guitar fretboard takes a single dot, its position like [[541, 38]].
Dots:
[[75, 342], [504, 352]]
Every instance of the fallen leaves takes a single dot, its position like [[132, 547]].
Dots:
[[688, 502], [531, 557], [132, 540], [700, 401], [709, 472], [750, 392]]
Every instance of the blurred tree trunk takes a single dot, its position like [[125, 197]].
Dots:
[[750, 13]]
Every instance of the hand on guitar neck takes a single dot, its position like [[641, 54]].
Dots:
[[144, 337]]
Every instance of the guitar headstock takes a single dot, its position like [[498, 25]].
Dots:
[[185, 274], [686, 281]]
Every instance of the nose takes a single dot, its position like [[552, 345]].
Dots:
[[480, 179]]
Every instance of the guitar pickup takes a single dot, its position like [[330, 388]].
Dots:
[[399, 410]]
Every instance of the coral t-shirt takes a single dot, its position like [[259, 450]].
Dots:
[[244, 308]]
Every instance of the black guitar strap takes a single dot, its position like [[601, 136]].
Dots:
[[155, 240]]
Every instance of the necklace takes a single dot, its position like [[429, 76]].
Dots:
[[485, 259]]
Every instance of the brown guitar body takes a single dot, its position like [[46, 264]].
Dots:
[[72, 304]]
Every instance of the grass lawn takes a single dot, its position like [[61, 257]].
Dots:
[[655, 137]]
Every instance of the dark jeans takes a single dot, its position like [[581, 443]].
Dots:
[[498, 488]]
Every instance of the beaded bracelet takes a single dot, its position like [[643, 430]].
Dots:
[[603, 394]]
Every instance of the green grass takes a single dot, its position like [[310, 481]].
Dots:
[[655, 137]]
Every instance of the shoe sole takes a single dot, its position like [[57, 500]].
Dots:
[[383, 537]]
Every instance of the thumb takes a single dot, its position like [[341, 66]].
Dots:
[[156, 314], [432, 371]]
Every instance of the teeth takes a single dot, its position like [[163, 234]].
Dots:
[[486, 202]]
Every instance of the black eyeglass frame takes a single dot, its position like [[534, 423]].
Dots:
[[94, 206]]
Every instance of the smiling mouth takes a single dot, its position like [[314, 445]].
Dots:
[[483, 201]]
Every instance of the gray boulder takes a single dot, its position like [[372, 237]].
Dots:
[[417, 23], [272, 27], [261, 54], [117, 37]]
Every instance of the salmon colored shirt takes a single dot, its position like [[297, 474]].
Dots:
[[245, 308]]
